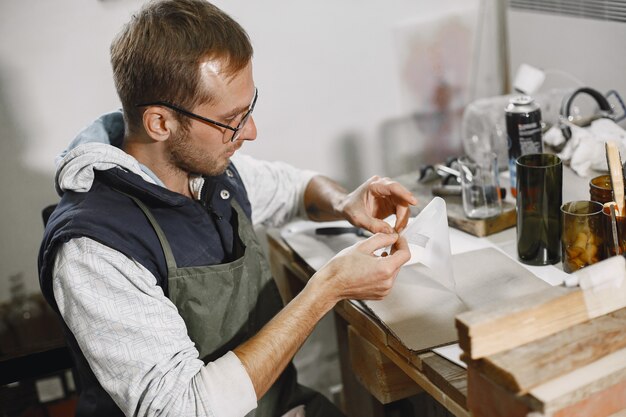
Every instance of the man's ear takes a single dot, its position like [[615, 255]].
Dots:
[[158, 123]]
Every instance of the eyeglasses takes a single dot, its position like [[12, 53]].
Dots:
[[236, 130]]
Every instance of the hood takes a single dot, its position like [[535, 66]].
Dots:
[[97, 147]]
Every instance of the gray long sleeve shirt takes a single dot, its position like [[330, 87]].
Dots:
[[130, 333]]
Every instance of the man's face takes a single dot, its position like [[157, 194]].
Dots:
[[204, 148]]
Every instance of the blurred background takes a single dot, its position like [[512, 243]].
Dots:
[[347, 88]]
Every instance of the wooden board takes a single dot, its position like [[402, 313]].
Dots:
[[454, 205], [506, 325], [604, 396], [450, 377], [527, 366], [599, 386]]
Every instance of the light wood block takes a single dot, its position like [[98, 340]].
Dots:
[[598, 386], [527, 366], [503, 326], [488, 399]]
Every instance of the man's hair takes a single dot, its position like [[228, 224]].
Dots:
[[157, 54]]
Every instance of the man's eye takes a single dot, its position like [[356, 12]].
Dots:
[[232, 118]]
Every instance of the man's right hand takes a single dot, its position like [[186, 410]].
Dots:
[[356, 273]]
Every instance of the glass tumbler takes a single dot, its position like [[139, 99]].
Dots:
[[614, 234], [480, 188], [539, 198], [600, 189], [581, 240]]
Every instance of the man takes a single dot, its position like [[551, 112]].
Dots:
[[150, 257]]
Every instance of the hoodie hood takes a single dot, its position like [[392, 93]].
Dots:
[[97, 147]]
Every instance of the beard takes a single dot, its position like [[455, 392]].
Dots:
[[186, 157]]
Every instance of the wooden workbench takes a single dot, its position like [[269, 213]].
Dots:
[[399, 372]]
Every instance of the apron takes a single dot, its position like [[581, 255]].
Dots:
[[224, 305]]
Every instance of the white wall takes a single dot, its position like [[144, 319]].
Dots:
[[591, 51], [327, 71]]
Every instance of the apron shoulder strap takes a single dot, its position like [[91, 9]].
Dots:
[[165, 245]]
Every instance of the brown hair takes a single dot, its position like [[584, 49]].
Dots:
[[156, 56]]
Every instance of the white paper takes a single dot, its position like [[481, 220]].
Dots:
[[452, 353], [428, 236]]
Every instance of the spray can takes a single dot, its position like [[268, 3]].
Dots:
[[523, 128]]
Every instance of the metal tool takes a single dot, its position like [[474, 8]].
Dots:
[[333, 231], [446, 172]]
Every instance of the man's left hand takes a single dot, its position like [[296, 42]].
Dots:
[[375, 200]]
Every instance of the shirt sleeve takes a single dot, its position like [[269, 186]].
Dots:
[[135, 341], [275, 189]]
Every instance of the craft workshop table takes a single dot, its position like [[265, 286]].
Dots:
[[376, 367]]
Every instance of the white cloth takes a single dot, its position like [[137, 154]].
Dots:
[[105, 298], [585, 149]]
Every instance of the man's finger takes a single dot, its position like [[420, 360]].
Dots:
[[377, 241], [386, 187], [402, 217], [401, 253]]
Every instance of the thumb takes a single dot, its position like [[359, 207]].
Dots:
[[379, 240]]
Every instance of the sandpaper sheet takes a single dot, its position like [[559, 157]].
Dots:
[[420, 310]]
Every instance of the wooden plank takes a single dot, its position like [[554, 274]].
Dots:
[[506, 325], [459, 410], [583, 383], [606, 403], [488, 399], [503, 326], [411, 356], [451, 378], [484, 227], [379, 375], [532, 364]]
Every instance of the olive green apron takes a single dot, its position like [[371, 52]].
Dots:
[[224, 305]]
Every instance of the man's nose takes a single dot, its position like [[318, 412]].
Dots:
[[248, 132]]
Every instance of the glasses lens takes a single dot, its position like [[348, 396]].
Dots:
[[240, 126], [245, 118]]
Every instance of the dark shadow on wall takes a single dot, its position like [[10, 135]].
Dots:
[[25, 193]]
